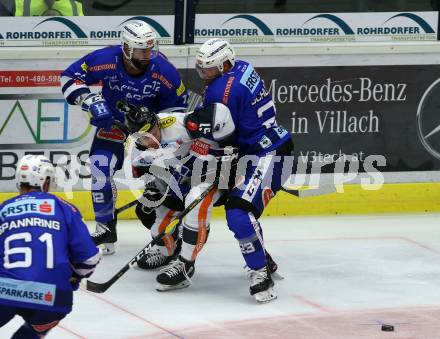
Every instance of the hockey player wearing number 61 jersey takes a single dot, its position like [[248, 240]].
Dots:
[[45, 250]]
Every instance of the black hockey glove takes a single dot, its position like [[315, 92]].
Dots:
[[139, 118]]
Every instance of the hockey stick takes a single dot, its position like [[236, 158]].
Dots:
[[311, 192], [126, 206], [304, 193], [102, 287]]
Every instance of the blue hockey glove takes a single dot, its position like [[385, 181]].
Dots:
[[101, 115]]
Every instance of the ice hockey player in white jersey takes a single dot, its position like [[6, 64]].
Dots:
[[169, 139]]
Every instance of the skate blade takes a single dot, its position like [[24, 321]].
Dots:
[[164, 288], [265, 296], [107, 249], [277, 276]]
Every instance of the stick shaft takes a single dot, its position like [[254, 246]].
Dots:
[[102, 287]]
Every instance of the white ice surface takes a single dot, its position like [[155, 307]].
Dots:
[[332, 265]]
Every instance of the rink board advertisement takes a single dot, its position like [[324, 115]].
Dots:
[[358, 111], [77, 31], [317, 27], [35, 119], [351, 112]]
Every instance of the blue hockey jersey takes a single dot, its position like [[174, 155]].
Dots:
[[159, 88], [251, 106], [43, 243]]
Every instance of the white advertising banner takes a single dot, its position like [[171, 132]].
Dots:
[[313, 27], [77, 31]]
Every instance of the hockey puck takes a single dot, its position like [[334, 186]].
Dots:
[[387, 328]]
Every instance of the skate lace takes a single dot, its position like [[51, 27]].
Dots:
[[258, 276], [100, 230], [156, 257], [175, 268]]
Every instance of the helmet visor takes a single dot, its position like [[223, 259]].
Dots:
[[207, 73]]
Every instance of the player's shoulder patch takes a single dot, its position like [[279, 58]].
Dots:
[[181, 89], [250, 78], [84, 67], [167, 122]]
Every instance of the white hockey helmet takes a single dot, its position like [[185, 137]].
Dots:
[[137, 34], [33, 170], [213, 53]]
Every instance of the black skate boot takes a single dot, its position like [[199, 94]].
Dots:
[[271, 264], [261, 285], [176, 275], [105, 236], [155, 259]]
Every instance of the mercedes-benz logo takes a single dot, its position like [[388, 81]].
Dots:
[[428, 119]]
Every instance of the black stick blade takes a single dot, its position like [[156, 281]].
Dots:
[[96, 287]]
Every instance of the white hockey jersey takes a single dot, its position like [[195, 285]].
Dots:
[[175, 143]]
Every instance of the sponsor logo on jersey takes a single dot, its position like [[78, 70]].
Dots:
[[27, 291], [102, 67], [162, 79], [45, 207], [145, 128], [114, 135], [180, 89], [227, 90], [167, 122], [250, 79], [265, 142], [200, 147], [281, 131], [253, 185], [38, 206]]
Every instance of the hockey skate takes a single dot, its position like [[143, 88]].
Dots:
[[155, 259], [271, 264], [176, 275], [261, 285], [105, 236]]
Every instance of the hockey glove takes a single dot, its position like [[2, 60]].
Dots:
[[101, 115], [74, 281]]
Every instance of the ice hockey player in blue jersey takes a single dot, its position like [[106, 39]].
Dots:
[[45, 250], [236, 86], [134, 73]]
